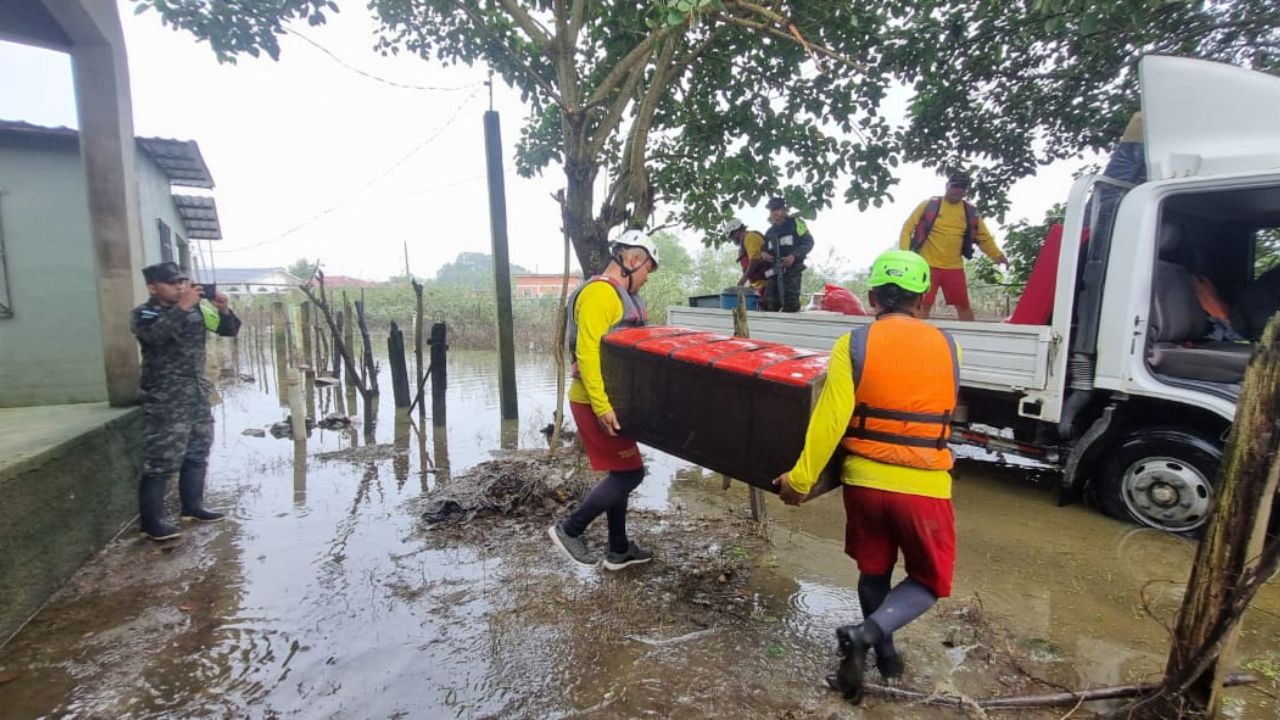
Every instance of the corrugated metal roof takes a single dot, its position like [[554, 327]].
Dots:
[[17, 127], [199, 215], [179, 159]]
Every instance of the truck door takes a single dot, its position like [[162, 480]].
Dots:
[[1086, 245]]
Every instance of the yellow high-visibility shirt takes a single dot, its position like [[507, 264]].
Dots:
[[598, 309], [753, 245], [942, 247], [827, 425]]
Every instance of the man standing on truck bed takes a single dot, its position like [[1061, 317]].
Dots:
[[787, 244], [751, 247], [887, 401], [944, 230], [605, 302]]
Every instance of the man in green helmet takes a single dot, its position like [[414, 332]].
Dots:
[[888, 400]]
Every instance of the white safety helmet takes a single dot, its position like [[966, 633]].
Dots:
[[638, 239], [731, 226]]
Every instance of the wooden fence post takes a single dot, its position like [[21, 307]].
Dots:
[[439, 372], [281, 347], [419, 340], [307, 366], [759, 512], [399, 367]]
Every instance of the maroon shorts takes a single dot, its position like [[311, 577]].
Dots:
[[606, 452], [955, 288], [880, 523]]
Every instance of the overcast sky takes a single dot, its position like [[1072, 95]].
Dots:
[[313, 159]]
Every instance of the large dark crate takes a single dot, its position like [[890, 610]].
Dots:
[[738, 407]]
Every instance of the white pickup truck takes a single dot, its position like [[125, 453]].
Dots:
[[1120, 390]]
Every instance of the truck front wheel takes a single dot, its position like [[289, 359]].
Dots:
[[1161, 478]]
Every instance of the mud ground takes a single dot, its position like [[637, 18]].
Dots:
[[327, 595]]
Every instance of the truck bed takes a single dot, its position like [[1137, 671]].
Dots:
[[996, 356]]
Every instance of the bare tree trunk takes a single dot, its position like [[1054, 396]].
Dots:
[[1234, 559], [562, 321], [370, 366], [349, 336], [588, 236]]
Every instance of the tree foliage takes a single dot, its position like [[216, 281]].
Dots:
[[1267, 255], [302, 268], [471, 269], [698, 107], [1022, 246]]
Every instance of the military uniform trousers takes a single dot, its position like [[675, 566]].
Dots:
[[177, 429]]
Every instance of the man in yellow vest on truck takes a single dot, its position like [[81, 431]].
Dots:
[[751, 252], [944, 230], [888, 400]]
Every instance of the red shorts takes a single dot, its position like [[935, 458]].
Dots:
[[879, 523], [955, 288], [606, 452]]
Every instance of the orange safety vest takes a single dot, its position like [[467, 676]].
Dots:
[[906, 375]]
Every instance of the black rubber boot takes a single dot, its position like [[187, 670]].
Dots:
[[191, 490], [890, 664], [151, 508], [855, 643]]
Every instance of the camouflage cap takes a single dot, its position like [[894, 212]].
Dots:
[[165, 272]]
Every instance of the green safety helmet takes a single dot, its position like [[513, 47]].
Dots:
[[903, 268]]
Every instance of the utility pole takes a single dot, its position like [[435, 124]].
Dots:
[[501, 261]]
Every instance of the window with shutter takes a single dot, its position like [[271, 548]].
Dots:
[[166, 242]]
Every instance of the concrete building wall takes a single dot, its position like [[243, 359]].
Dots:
[[62, 501], [155, 205], [51, 349]]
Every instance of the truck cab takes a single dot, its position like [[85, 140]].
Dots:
[[1150, 376]]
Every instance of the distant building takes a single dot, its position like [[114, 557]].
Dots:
[[346, 281], [531, 286], [252, 281]]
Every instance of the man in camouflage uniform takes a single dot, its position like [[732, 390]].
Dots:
[[178, 424], [787, 244]]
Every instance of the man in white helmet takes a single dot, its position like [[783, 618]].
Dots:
[[605, 302], [751, 253]]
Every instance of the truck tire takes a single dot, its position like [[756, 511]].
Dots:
[[1162, 478]]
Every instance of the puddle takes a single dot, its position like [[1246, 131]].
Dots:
[[326, 596]]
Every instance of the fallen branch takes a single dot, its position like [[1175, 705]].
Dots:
[[1060, 699], [422, 384]]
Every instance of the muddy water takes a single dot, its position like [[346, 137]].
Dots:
[[323, 597]]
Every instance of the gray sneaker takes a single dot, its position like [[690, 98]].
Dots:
[[575, 548], [636, 554]]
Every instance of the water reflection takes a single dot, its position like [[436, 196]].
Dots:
[[400, 463], [299, 472], [510, 434], [322, 600]]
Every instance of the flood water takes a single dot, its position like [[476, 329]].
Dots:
[[322, 597]]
